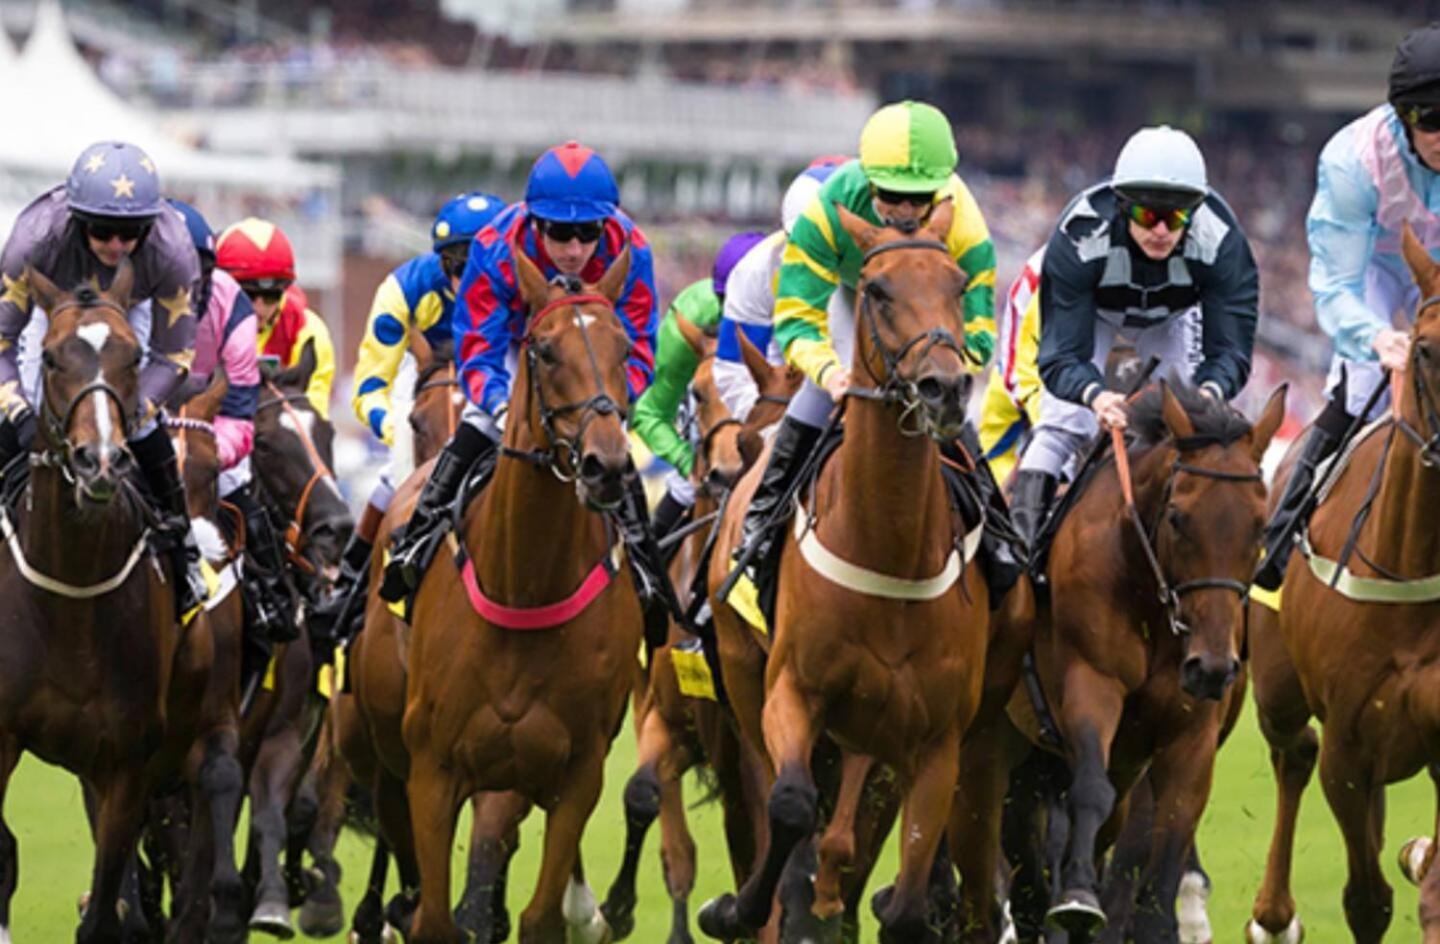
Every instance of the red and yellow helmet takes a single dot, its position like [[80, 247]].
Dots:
[[256, 251]]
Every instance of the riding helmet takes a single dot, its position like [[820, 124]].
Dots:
[[113, 180], [200, 232], [1415, 71], [734, 249], [804, 187], [1161, 167], [256, 251], [908, 147], [462, 216], [571, 184]]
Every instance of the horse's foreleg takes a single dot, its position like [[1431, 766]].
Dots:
[[1089, 717], [642, 805], [435, 795], [562, 899], [1354, 799], [677, 846], [1294, 747], [222, 784], [392, 808], [119, 813], [904, 913], [323, 913], [494, 837], [986, 756], [9, 848], [837, 845], [271, 783], [1417, 861]]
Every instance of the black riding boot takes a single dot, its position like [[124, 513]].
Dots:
[[333, 617], [1295, 504], [1029, 501], [414, 550], [647, 564], [270, 605], [997, 554], [156, 457], [792, 444], [668, 515]]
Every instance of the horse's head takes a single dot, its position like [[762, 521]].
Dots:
[[775, 384], [292, 464], [910, 325], [573, 381], [718, 461], [90, 382], [1210, 520], [1421, 418], [438, 400], [195, 446]]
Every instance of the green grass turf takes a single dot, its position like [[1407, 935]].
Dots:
[[44, 809]]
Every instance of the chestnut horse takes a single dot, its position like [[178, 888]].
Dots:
[[882, 621], [1142, 635], [1355, 646], [676, 731], [525, 699]]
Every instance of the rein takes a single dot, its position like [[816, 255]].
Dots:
[[294, 531], [1170, 596], [434, 383]]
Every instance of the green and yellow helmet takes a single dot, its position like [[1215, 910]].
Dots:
[[908, 147]]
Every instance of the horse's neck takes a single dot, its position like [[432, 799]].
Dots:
[[1401, 535], [61, 544], [886, 507]]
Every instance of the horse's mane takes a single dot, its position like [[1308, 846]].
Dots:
[[1213, 420]]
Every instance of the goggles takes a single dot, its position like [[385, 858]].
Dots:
[[453, 259], [1146, 217], [102, 229], [269, 291], [896, 197], [1421, 117], [587, 232]]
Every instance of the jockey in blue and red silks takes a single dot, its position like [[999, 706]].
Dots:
[[571, 227]]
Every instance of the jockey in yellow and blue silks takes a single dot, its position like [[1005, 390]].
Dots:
[[906, 166], [419, 295]]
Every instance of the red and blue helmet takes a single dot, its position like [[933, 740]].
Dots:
[[462, 216], [571, 184]]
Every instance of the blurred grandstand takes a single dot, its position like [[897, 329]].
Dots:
[[705, 107]]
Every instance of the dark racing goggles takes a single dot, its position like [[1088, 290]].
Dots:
[[587, 232], [103, 229], [1146, 217], [269, 291], [453, 259], [897, 197], [1421, 117]]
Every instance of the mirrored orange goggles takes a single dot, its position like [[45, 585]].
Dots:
[[1147, 217]]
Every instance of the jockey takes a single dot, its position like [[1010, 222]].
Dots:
[[1135, 253], [225, 337], [420, 294], [571, 226], [750, 301], [1374, 174], [907, 164], [1011, 407], [259, 256], [110, 209], [700, 304]]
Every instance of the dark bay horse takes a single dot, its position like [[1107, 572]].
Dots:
[[1141, 637], [676, 731], [79, 688], [882, 621], [530, 713], [1362, 658]]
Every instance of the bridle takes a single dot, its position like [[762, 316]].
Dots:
[[57, 425], [1425, 397], [892, 387], [452, 418], [561, 455], [296, 537]]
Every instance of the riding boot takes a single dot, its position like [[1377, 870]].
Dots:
[[270, 607], [332, 618], [792, 444], [1295, 504], [415, 547], [17, 434], [997, 555], [647, 564], [1029, 501], [668, 515], [156, 457]]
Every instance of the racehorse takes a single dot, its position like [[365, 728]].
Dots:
[[1354, 645], [79, 688], [676, 731], [292, 462], [530, 713], [880, 625], [1141, 636]]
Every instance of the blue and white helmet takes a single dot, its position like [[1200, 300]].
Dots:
[[462, 216], [114, 179], [200, 232]]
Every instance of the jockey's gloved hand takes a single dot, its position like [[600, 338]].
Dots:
[[17, 434]]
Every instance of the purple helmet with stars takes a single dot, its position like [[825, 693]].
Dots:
[[115, 180]]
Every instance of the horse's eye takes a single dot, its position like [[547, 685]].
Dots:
[[49, 360], [545, 353], [1177, 518], [135, 361]]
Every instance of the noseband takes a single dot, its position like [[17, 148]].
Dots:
[[561, 455], [892, 388]]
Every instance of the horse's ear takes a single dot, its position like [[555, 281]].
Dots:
[[941, 216], [1425, 270], [207, 403], [420, 349], [612, 283], [1176, 419], [701, 343], [299, 375], [122, 285], [45, 292], [865, 235], [533, 287], [1270, 419], [754, 359]]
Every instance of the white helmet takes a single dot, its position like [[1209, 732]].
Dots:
[[1161, 159], [804, 187]]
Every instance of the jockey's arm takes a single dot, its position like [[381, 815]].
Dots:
[[1229, 307], [1342, 230], [654, 415], [382, 348], [1067, 323], [639, 311], [172, 333], [323, 377], [235, 423], [15, 308], [488, 316], [809, 275], [970, 245]]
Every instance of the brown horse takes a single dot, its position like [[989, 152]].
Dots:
[[675, 731], [78, 688], [1136, 677], [491, 708], [1362, 657], [889, 664]]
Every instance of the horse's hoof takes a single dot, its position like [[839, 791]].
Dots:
[[82, 903], [273, 918], [388, 935], [320, 917], [1190, 909], [1078, 913], [1294, 933], [586, 925], [1009, 934], [718, 919], [1412, 859], [621, 918]]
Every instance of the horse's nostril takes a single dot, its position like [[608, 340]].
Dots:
[[930, 389], [86, 460], [592, 468]]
